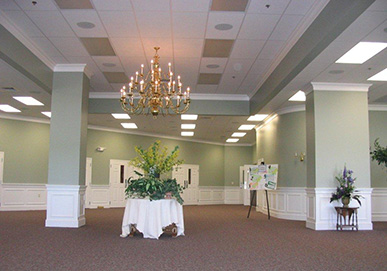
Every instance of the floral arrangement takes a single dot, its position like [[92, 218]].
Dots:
[[346, 188], [155, 162], [379, 153]]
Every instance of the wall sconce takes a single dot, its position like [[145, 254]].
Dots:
[[100, 149], [301, 156]]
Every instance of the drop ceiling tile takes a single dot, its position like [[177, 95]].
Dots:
[[186, 65], [108, 63], [299, 7], [189, 5], [119, 24], [189, 80], [69, 46], [247, 48], [188, 47], [44, 19], [154, 24], [151, 5], [117, 86], [230, 83], [165, 52], [258, 27], [189, 25], [234, 19], [59, 59], [217, 48], [209, 89], [285, 27], [252, 79], [275, 6], [112, 5], [74, 17], [116, 77], [8, 5], [21, 20], [209, 78], [133, 64], [99, 83], [271, 49], [239, 65], [378, 5], [46, 46], [41, 5], [213, 61], [378, 35], [74, 4], [229, 5], [127, 47], [98, 46]]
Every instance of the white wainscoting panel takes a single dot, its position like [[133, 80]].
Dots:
[[19, 197], [379, 204], [285, 202], [233, 195], [211, 195], [99, 196]]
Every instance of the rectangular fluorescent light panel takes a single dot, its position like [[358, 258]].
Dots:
[[380, 76], [361, 52], [189, 117], [257, 117], [128, 125], [9, 109], [246, 127], [120, 116], [298, 97], [28, 100], [232, 140], [187, 133], [48, 114], [188, 126], [238, 134]]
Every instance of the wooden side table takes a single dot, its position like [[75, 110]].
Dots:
[[347, 218]]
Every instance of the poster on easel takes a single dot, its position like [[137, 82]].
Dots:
[[263, 177]]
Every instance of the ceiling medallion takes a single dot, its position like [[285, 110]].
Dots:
[[155, 93]]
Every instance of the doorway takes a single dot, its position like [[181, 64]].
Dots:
[[188, 177]]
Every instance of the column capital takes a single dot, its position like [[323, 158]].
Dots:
[[73, 68], [323, 86]]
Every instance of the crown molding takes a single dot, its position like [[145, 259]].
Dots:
[[73, 68], [13, 116], [377, 107], [23, 38], [290, 109], [322, 86]]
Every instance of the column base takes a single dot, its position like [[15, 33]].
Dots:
[[65, 206], [321, 215]]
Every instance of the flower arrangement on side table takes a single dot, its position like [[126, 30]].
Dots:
[[154, 163], [346, 188]]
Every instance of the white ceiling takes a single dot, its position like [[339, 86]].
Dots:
[[262, 37]]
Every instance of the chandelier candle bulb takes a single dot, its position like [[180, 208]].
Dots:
[[170, 67], [142, 70], [136, 77]]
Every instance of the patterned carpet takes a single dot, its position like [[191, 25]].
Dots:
[[217, 238]]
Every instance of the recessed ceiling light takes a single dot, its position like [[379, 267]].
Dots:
[[223, 27], [232, 140], [361, 52], [298, 97], [257, 117], [380, 76], [246, 127], [189, 117], [9, 109], [86, 25], [128, 125], [28, 100], [109, 65], [336, 71], [188, 126], [187, 133], [47, 113], [212, 66], [238, 134], [121, 116]]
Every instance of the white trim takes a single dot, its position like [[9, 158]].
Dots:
[[321, 86], [290, 109], [209, 195], [377, 107], [99, 196], [73, 68], [23, 38], [21, 197], [379, 204], [23, 118]]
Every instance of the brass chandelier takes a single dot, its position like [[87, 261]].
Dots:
[[155, 93]]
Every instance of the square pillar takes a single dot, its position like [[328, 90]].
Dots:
[[337, 135], [67, 154]]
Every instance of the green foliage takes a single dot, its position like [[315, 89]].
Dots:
[[379, 153], [346, 187], [171, 185], [155, 160]]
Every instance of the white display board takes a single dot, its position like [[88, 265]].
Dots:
[[263, 177]]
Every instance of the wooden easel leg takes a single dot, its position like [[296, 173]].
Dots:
[[267, 204], [251, 201]]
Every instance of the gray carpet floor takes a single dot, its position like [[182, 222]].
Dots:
[[217, 238]]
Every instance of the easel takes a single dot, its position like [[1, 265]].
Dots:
[[254, 197]]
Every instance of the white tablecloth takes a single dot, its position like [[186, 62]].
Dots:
[[150, 217]]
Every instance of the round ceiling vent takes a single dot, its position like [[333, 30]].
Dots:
[[223, 27], [86, 25]]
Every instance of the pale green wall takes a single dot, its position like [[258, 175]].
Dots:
[[234, 157], [25, 147], [278, 141], [378, 129]]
